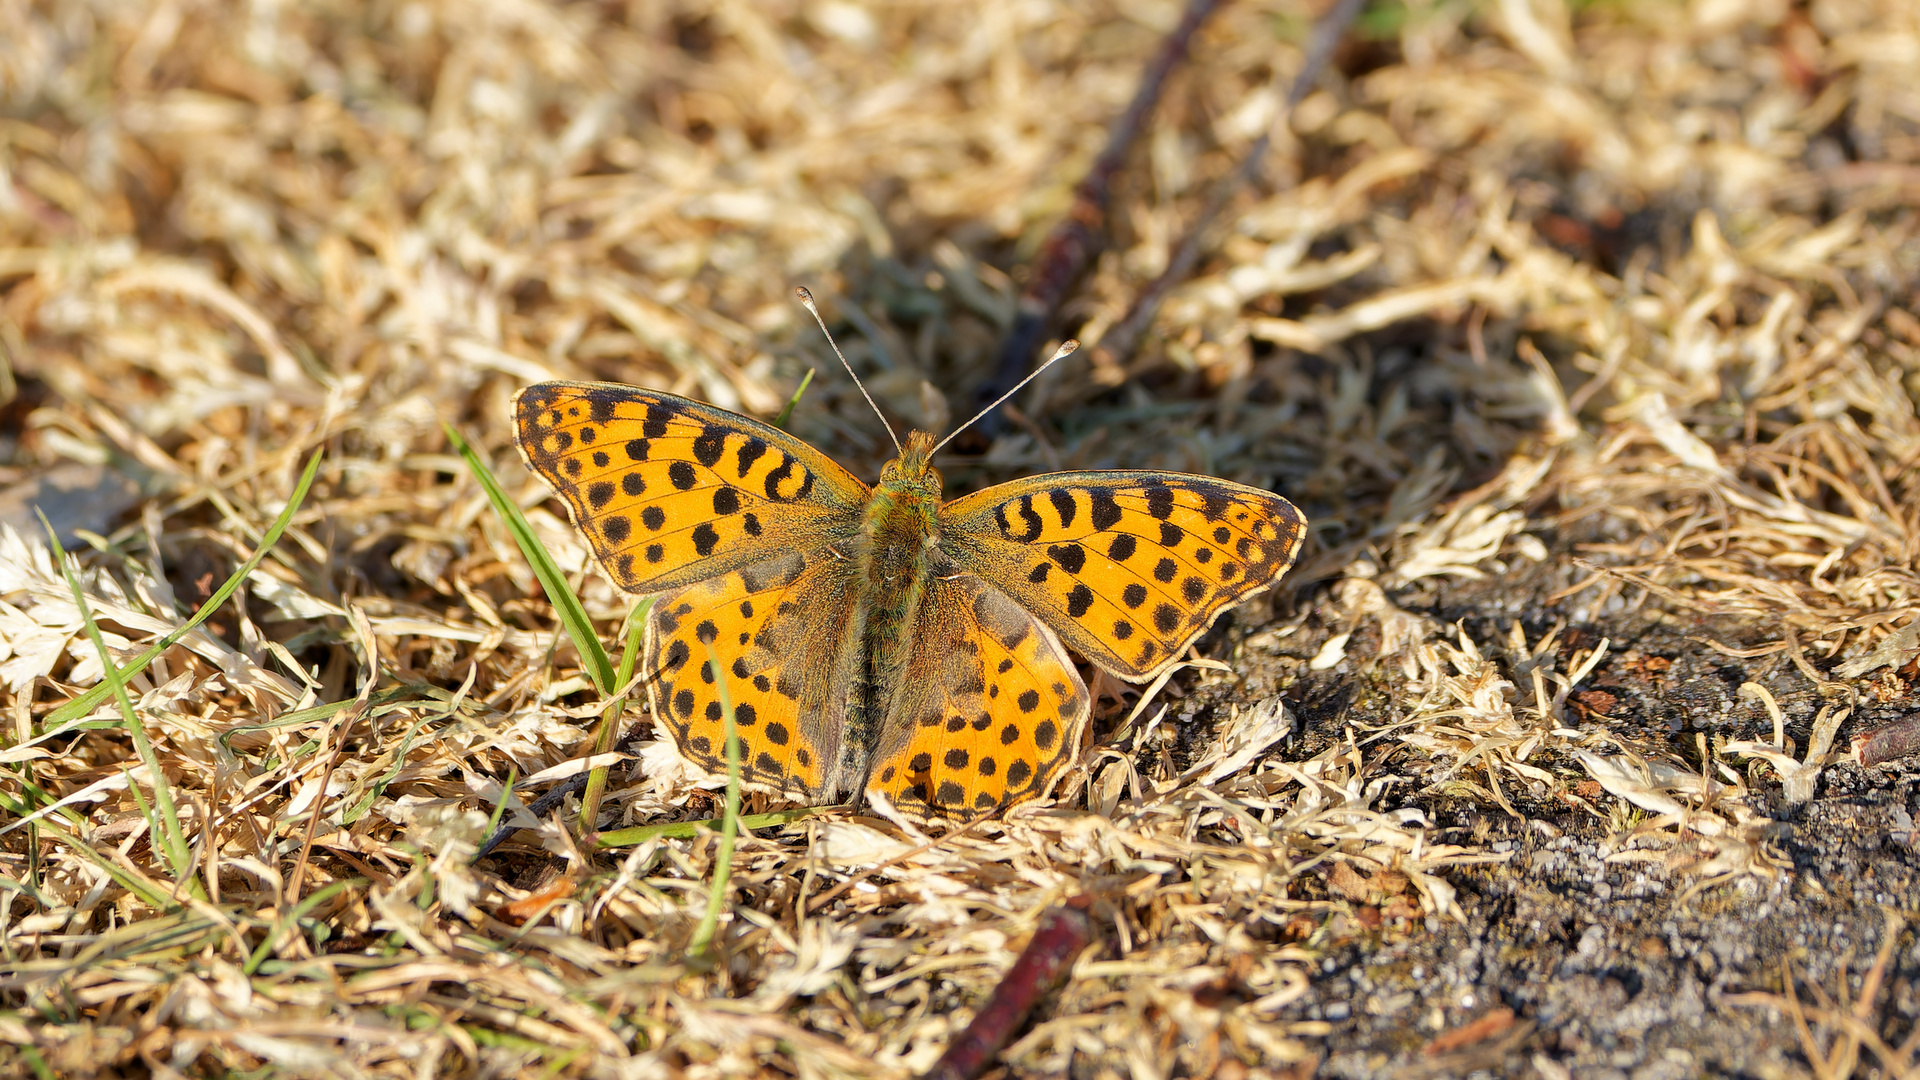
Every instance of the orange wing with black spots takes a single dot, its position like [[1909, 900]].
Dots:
[[1129, 568], [670, 491], [887, 640], [779, 631], [988, 710]]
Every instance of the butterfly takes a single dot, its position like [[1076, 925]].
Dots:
[[880, 639]]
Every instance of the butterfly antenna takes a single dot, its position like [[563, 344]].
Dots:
[[1065, 350], [807, 299]]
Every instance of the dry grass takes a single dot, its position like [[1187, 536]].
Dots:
[[1643, 275]]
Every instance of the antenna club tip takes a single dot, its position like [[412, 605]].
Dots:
[[801, 292], [1067, 347]]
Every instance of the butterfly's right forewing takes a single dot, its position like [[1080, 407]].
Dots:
[[670, 491]]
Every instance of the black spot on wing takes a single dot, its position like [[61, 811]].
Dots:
[[709, 444], [655, 424], [1063, 505], [749, 452], [1105, 512], [1030, 523], [1079, 600], [1159, 500], [1071, 557]]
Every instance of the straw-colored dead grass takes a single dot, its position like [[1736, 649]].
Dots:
[[1643, 277]]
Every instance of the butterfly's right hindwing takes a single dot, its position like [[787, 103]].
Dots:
[[780, 633]]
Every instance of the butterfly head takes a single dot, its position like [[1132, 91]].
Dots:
[[913, 470]]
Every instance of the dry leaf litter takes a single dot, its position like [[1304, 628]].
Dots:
[[1585, 335]]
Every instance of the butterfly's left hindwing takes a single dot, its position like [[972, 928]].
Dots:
[[670, 491], [1129, 568], [987, 712]]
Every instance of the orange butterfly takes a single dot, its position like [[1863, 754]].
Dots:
[[878, 638]]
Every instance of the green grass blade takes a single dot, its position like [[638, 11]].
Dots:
[[787, 413], [87, 702], [566, 603], [604, 738], [171, 838], [506, 797], [698, 948], [687, 830], [307, 903]]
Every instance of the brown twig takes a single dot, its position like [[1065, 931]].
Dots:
[[1074, 240], [1118, 343], [1888, 743], [1064, 932]]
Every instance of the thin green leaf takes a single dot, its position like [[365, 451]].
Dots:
[[687, 830], [87, 702], [697, 948], [609, 730], [172, 839], [566, 604], [787, 413], [307, 903], [506, 797]]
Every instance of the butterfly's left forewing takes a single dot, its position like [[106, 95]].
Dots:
[[670, 491], [1129, 568]]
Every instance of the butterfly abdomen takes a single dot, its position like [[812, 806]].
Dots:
[[900, 534]]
